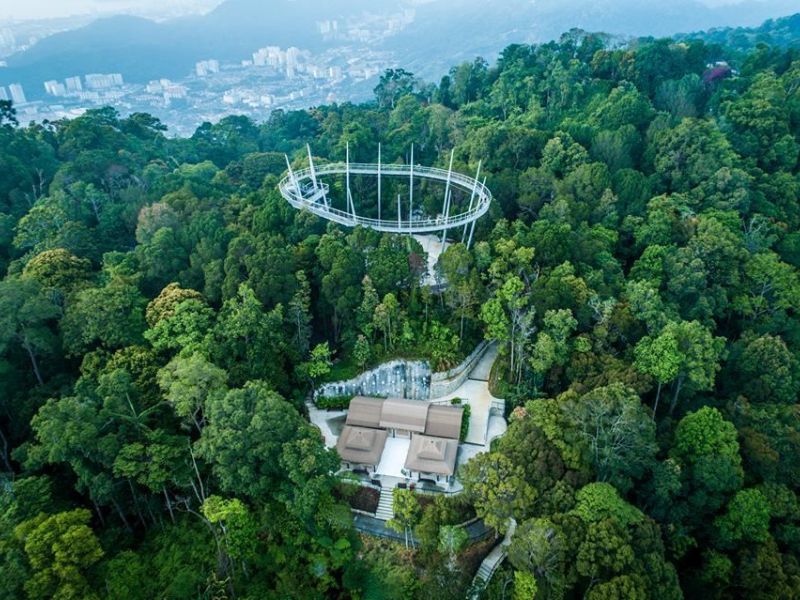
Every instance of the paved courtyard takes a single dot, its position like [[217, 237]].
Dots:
[[475, 391], [393, 458]]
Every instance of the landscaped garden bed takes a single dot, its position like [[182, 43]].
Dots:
[[358, 497]]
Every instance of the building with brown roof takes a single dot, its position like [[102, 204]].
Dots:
[[402, 417], [365, 412], [433, 431], [444, 421], [361, 447], [432, 458]]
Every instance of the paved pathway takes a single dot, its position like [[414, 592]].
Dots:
[[491, 563], [323, 418], [433, 247], [476, 530], [475, 390]]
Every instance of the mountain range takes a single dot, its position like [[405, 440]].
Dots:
[[443, 33]]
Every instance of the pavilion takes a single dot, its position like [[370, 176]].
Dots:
[[432, 430]]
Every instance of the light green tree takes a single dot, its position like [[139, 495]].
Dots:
[[660, 358], [61, 548], [497, 489], [452, 540], [407, 513]]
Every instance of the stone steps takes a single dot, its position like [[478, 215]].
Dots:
[[385, 503], [484, 572]]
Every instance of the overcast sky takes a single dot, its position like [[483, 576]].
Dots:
[[38, 9]]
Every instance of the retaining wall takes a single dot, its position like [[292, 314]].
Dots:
[[405, 379], [395, 379], [447, 382]]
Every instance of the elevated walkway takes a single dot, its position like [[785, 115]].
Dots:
[[304, 190]]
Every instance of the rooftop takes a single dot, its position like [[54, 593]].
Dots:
[[410, 415], [360, 445], [432, 455]]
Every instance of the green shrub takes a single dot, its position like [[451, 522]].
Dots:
[[333, 402], [464, 417], [465, 422]]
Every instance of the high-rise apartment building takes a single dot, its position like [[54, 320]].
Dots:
[[17, 93]]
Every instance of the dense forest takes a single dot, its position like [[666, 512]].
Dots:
[[164, 314]]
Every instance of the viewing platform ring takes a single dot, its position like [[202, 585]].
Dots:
[[303, 191]]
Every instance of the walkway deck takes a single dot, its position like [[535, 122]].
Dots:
[[492, 562], [476, 530]]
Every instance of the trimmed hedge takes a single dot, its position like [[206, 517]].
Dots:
[[464, 417], [333, 402]]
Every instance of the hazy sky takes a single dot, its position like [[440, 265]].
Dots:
[[36, 9]]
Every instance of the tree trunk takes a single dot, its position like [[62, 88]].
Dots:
[[99, 513], [4, 453], [169, 504], [121, 515], [136, 504], [674, 402], [34, 362], [655, 404]]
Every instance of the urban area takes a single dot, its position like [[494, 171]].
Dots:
[[270, 78]]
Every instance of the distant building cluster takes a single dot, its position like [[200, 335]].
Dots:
[[168, 90], [7, 39], [103, 81], [16, 93], [270, 78], [206, 67], [327, 27], [73, 86]]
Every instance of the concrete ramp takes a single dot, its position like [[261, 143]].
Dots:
[[483, 369]]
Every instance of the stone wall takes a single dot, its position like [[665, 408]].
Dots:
[[447, 382], [405, 379], [395, 379]]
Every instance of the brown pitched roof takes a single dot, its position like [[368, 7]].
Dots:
[[365, 412], [428, 454], [404, 414], [444, 421], [361, 446]]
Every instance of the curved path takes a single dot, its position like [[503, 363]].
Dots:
[[303, 191], [475, 391], [476, 529]]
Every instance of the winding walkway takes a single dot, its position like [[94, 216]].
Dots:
[[492, 562], [476, 529]]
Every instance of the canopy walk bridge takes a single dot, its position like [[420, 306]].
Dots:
[[305, 190]]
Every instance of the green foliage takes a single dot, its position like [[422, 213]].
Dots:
[[160, 300], [111, 317], [497, 489], [598, 501], [746, 520], [60, 549], [525, 586], [332, 402]]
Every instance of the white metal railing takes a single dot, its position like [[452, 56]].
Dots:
[[292, 190]]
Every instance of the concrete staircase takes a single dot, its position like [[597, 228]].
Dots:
[[385, 510], [491, 563]]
